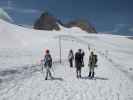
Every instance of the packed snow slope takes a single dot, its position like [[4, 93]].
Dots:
[[21, 77]]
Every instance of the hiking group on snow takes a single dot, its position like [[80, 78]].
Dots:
[[78, 57]]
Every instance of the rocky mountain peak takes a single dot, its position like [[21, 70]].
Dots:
[[46, 22]]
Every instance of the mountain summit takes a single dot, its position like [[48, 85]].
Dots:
[[48, 22]]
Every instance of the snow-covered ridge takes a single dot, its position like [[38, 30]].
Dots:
[[4, 15], [17, 36]]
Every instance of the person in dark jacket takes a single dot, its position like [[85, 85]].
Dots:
[[48, 64], [78, 63], [71, 58]]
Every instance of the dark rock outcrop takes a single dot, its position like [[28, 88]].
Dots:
[[131, 37], [46, 22], [83, 24], [49, 22]]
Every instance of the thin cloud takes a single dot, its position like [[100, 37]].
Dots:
[[131, 29], [30, 11], [118, 27], [22, 10], [11, 7]]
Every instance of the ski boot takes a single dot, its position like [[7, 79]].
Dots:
[[46, 78], [89, 74], [92, 75], [79, 76]]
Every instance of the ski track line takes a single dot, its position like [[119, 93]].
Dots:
[[16, 87], [118, 66]]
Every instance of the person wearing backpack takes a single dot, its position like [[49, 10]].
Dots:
[[48, 64], [92, 64], [78, 63], [71, 58]]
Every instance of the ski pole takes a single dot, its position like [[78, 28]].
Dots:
[[42, 67], [53, 70]]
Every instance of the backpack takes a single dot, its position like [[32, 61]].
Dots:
[[95, 59], [48, 60], [70, 56]]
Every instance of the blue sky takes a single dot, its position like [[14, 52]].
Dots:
[[106, 15]]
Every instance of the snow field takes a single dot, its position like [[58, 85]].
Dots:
[[21, 76]]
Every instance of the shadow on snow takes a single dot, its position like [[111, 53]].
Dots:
[[56, 78], [9, 72], [95, 78]]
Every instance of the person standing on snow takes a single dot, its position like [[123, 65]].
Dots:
[[92, 64], [48, 64], [71, 58], [78, 63]]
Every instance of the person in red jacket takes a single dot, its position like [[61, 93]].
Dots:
[[48, 64]]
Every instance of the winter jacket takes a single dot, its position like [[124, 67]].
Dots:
[[92, 60], [78, 60], [48, 60], [82, 58], [70, 56]]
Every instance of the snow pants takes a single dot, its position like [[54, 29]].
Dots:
[[48, 73], [91, 72], [78, 71], [91, 69], [71, 62]]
